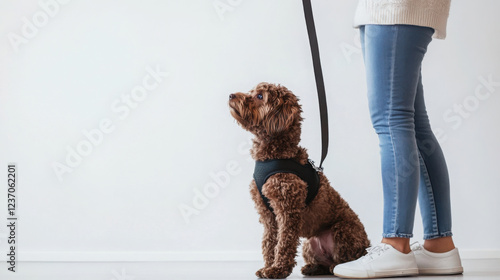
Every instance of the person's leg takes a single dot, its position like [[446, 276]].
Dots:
[[434, 190], [438, 255], [393, 57]]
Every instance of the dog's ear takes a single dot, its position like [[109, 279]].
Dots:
[[282, 116]]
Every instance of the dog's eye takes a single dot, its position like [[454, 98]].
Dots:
[[259, 96]]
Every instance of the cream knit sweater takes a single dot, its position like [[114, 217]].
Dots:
[[428, 13]]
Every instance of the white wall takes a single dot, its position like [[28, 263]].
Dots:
[[74, 69]]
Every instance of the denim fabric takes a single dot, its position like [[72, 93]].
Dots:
[[413, 165]]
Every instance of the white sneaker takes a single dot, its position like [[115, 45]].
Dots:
[[381, 261], [437, 263]]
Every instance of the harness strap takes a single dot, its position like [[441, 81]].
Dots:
[[265, 169]]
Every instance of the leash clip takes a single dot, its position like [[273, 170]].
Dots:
[[318, 169]]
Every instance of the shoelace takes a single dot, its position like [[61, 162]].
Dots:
[[375, 251], [415, 246]]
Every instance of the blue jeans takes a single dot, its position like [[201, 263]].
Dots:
[[413, 165]]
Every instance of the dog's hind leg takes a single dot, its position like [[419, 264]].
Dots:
[[316, 262], [350, 241]]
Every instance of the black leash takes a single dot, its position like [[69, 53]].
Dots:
[[320, 85]]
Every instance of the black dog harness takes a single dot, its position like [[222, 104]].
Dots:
[[308, 173]]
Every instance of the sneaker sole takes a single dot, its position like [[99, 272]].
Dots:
[[441, 271], [385, 274]]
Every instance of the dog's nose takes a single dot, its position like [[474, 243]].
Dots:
[[232, 96]]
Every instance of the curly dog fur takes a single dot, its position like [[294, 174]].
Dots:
[[334, 234]]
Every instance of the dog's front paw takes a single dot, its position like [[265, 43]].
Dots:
[[315, 269], [259, 273], [273, 272]]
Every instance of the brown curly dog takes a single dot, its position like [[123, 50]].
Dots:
[[333, 231]]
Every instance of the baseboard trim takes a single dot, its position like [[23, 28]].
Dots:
[[130, 256], [479, 254], [202, 256]]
